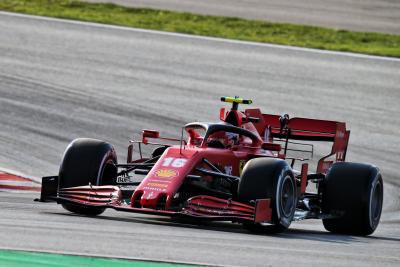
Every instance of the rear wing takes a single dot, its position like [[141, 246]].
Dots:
[[269, 127]]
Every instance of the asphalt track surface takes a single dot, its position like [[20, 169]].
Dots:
[[365, 15], [61, 80]]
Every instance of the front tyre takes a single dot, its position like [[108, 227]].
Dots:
[[87, 161], [270, 178], [354, 193]]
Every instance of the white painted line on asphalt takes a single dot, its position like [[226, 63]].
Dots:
[[17, 183], [199, 37]]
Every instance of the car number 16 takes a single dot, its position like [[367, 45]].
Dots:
[[174, 162]]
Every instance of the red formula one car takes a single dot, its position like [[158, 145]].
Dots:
[[235, 170]]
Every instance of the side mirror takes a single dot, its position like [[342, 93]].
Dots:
[[149, 134], [271, 146]]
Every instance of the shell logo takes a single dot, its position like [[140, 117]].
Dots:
[[166, 173]]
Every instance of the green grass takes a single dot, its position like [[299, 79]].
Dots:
[[225, 27], [11, 258]]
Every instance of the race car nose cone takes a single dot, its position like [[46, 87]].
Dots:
[[148, 198], [152, 199]]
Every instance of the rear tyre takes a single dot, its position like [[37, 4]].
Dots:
[[354, 193], [270, 178], [87, 161]]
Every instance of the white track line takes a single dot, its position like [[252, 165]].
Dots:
[[214, 39], [17, 183]]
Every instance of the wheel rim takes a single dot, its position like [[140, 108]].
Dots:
[[376, 203], [287, 196]]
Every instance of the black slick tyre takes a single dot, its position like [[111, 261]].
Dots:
[[353, 192], [87, 161], [269, 178]]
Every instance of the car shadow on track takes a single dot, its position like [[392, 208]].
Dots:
[[291, 233], [321, 236], [384, 238]]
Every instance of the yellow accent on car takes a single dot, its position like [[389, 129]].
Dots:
[[241, 166], [166, 173], [238, 100]]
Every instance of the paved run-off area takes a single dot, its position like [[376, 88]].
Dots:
[[62, 80]]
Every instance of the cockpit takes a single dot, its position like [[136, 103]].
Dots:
[[219, 135]]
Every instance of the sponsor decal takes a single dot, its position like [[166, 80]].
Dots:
[[166, 173], [149, 195], [160, 180], [123, 179], [154, 189], [157, 185]]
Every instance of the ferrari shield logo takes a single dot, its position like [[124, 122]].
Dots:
[[166, 173]]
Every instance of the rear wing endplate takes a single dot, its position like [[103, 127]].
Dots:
[[306, 129]]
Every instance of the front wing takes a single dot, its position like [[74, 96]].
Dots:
[[201, 207]]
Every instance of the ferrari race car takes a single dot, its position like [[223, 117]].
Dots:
[[237, 170]]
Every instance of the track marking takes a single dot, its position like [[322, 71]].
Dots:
[[11, 182], [80, 254], [19, 258], [199, 37]]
